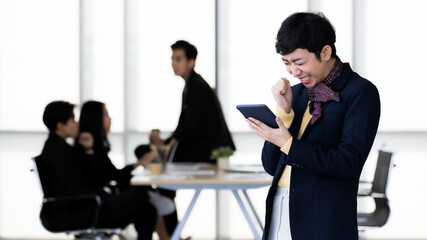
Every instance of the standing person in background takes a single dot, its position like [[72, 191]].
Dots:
[[201, 127], [327, 125]]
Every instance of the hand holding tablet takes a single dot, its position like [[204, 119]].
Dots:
[[260, 112]]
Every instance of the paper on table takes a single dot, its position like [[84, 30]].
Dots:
[[186, 166], [169, 177], [246, 175], [245, 169], [189, 173]]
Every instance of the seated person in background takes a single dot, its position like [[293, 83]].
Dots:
[[201, 127], [65, 175], [162, 199], [95, 120]]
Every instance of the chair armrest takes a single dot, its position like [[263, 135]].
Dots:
[[364, 192], [111, 188], [365, 188], [378, 195], [70, 212], [89, 197]]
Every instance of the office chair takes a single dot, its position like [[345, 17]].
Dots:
[[84, 208], [378, 192]]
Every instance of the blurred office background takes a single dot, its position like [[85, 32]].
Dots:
[[118, 52]]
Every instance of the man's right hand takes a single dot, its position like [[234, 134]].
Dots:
[[282, 93], [155, 138]]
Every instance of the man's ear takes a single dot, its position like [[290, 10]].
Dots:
[[192, 63], [59, 126], [326, 53]]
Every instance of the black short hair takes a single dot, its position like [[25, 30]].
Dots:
[[57, 111], [189, 49], [141, 150], [311, 31]]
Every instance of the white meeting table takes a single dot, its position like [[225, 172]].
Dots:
[[208, 179]]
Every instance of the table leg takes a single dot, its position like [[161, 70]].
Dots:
[[245, 212], [253, 209], [177, 232]]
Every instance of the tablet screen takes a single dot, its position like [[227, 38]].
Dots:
[[260, 112]]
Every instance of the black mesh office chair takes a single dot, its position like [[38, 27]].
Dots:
[[85, 208], [377, 191]]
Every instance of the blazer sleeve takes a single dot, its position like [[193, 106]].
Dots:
[[111, 172], [271, 153], [270, 157], [346, 154]]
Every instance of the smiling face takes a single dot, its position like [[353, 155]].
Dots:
[[304, 65]]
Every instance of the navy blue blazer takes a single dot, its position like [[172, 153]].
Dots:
[[327, 160]]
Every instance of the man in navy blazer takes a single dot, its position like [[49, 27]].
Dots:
[[327, 125]]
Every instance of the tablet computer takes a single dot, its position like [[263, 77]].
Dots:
[[260, 112]]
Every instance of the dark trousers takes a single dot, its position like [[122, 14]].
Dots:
[[130, 206]]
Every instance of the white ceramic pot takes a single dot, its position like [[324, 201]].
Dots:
[[222, 163]]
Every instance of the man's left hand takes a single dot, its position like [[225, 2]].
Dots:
[[277, 136]]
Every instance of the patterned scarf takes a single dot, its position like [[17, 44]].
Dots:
[[322, 93]]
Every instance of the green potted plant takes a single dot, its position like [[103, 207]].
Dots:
[[222, 155]]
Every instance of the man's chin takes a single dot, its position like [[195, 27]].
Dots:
[[308, 85]]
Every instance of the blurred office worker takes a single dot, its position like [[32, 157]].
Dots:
[[95, 120], [201, 127], [65, 175], [327, 125]]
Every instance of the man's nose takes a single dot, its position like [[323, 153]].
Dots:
[[295, 71]]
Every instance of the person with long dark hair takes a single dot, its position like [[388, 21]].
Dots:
[[95, 119]]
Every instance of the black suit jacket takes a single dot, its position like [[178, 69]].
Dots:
[[327, 160], [201, 127], [61, 167], [61, 176]]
